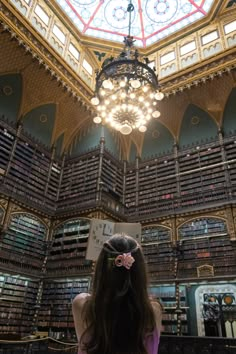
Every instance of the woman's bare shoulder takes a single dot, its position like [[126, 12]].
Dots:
[[77, 310], [80, 300], [157, 309], [156, 306]]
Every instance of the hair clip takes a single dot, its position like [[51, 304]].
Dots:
[[125, 260]]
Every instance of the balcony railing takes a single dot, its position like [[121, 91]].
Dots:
[[168, 345], [191, 201]]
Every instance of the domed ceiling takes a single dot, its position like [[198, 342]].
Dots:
[[151, 20]]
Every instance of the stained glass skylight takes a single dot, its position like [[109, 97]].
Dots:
[[152, 20]]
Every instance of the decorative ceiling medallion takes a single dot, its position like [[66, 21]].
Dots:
[[195, 120], [155, 134], [151, 20], [43, 118], [7, 90]]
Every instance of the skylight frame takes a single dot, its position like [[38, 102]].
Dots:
[[153, 20]]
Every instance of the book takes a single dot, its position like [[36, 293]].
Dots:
[[101, 230]]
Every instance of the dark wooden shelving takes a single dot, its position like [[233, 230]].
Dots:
[[67, 253], [23, 243], [166, 294], [55, 313], [17, 300]]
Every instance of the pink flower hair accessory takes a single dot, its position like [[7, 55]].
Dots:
[[125, 260]]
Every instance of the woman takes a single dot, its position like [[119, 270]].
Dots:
[[118, 317]]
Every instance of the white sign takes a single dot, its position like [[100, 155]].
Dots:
[[102, 230]]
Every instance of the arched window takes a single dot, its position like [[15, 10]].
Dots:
[[156, 234], [202, 227], [70, 240], [24, 240]]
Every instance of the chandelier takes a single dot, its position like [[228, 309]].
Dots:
[[127, 89]]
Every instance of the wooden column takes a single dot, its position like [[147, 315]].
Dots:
[[124, 181], [61, 175], [137, 182], [50, 170], [99, 178], [18, 133], [224, 159]]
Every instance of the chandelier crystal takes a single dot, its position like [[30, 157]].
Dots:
[[127, 90]]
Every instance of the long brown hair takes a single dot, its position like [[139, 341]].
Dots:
[[118, 314]]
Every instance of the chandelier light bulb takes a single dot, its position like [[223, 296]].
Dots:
[[142, 129], [117, 127], [135, 84], [127, 89], [97, 120], [156, 114], [107, 84], [95, 101], [126, 129], [159, 96], [122, 83]]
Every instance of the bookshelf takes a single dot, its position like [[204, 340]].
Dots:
[[130, 195], [24, 168], [158, 252], [187, 178], [205, 241], [202, 175], [1, 214], [166, 294], [112, 176], [23, 243], [156, 191], [79, 181], [230, 150], [54, 180], [17, 299], [6, 145], [55, 313], [202, 227], [155, 234], [68, 249]]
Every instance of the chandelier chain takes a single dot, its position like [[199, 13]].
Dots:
[[127, 89]]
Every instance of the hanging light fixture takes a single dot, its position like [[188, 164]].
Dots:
[[127, 90]]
